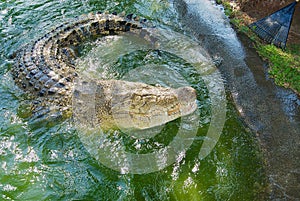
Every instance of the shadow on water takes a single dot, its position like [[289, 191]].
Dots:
[[52, 163]]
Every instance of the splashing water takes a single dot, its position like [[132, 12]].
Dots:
[[62, 162]]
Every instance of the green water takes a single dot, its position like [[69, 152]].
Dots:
[[50, 162]]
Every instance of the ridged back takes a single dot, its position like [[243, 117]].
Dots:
[[47, 67]]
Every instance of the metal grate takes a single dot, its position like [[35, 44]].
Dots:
[[275, 28]]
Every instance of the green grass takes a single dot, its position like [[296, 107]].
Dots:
[[284, 65]]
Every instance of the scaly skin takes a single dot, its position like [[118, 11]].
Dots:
[[46, 71], [130, 105]]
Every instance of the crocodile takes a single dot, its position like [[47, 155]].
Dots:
[[46, 71]]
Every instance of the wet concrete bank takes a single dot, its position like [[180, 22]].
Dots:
[[272, 112]]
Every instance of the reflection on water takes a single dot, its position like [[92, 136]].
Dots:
[[53, 163]]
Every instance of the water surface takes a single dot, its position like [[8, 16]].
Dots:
[[51, 162]]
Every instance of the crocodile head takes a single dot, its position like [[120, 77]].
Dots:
[[131, 105], [135, 105]]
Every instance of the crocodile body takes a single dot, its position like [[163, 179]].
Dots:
[[46, 69]]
